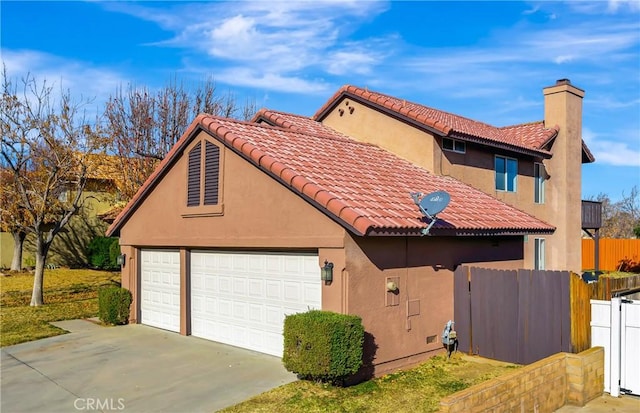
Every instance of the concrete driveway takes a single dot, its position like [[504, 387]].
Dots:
[[131, 368]]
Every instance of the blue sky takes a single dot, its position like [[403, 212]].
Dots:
[[484, 60]]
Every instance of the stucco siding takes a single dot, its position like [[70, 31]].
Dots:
[[257, 212], [402, 327], [368, 125]]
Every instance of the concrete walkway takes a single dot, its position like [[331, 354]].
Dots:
[[131, 368], [606, 403]]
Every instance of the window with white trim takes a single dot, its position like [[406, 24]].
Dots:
[[454, 145], [506, 173], [539, 176], [538, 254]]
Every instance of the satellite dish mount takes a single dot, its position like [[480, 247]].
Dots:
[[431, 205]]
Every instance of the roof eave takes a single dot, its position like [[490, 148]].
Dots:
[[459, 232], [587, 156], [501, 145], [151, 182], [443, 130]]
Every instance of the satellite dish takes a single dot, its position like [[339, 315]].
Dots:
[[431, 205], [434, 203]]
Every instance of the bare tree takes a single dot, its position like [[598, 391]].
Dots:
[[12, 217], [620, 219], [45, 144], [145, 125]]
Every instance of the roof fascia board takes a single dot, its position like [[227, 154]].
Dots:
[[379, 108], [392, 232], [504, 146], [422, 126], [145, 190]]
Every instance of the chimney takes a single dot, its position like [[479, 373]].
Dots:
[[563, 109]]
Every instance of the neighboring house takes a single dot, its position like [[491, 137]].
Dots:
[[230, 232], [69, 246], [535, 167]]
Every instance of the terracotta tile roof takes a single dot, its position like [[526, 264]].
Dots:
[[529, 138], [296, 123], [361, 186]]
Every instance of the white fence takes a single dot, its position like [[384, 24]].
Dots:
[[615, 325]]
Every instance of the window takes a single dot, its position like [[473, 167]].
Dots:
[[203, 188], [540, 175], [64, 196], [454, 145], [506, 174], [538, 254]]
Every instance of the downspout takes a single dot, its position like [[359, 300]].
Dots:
[[596, 240], [406, 267]]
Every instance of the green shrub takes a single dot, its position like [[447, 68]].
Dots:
[[113, 305], [103, 253], [322, 345]]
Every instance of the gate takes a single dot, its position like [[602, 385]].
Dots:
[[615, 325], [515, 316]]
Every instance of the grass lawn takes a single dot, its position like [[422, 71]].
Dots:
[[68, 294], [415, 390]]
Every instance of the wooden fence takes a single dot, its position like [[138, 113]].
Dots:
[[612, 251], [607, 286], [521, 316]]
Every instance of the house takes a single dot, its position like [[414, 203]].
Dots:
[[230, 232], [535, 167], [101, 193]]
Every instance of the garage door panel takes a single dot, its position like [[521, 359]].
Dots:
[[239, 286], [252, 295], [312, 293], [160, 289], [256, 288], [274, 290]]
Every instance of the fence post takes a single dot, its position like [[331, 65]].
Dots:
[[615, 347], [470, 312]]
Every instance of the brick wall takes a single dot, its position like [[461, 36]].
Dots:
[[585, 376], [543, 386]]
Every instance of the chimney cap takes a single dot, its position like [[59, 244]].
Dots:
[[563, 82]]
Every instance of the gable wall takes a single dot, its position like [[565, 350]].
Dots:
[[258, 212], [368, 125], [423, 267]]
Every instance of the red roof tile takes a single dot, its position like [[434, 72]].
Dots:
[[362, 186], [530, 137]]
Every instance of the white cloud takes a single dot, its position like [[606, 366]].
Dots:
[[283, 38], [246, 77], [95, 83], [614, 151], [618, 5]]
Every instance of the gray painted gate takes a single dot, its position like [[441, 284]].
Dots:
[[515, 316]]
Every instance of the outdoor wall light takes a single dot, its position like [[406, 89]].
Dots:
[[122, 258], [392, 287], [326, 272]]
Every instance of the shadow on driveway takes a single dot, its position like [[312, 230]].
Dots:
[[132, 368]]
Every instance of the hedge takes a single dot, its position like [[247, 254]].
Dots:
[[323, 345]]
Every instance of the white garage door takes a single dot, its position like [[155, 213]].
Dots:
[[160, 289], [241, 299]]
